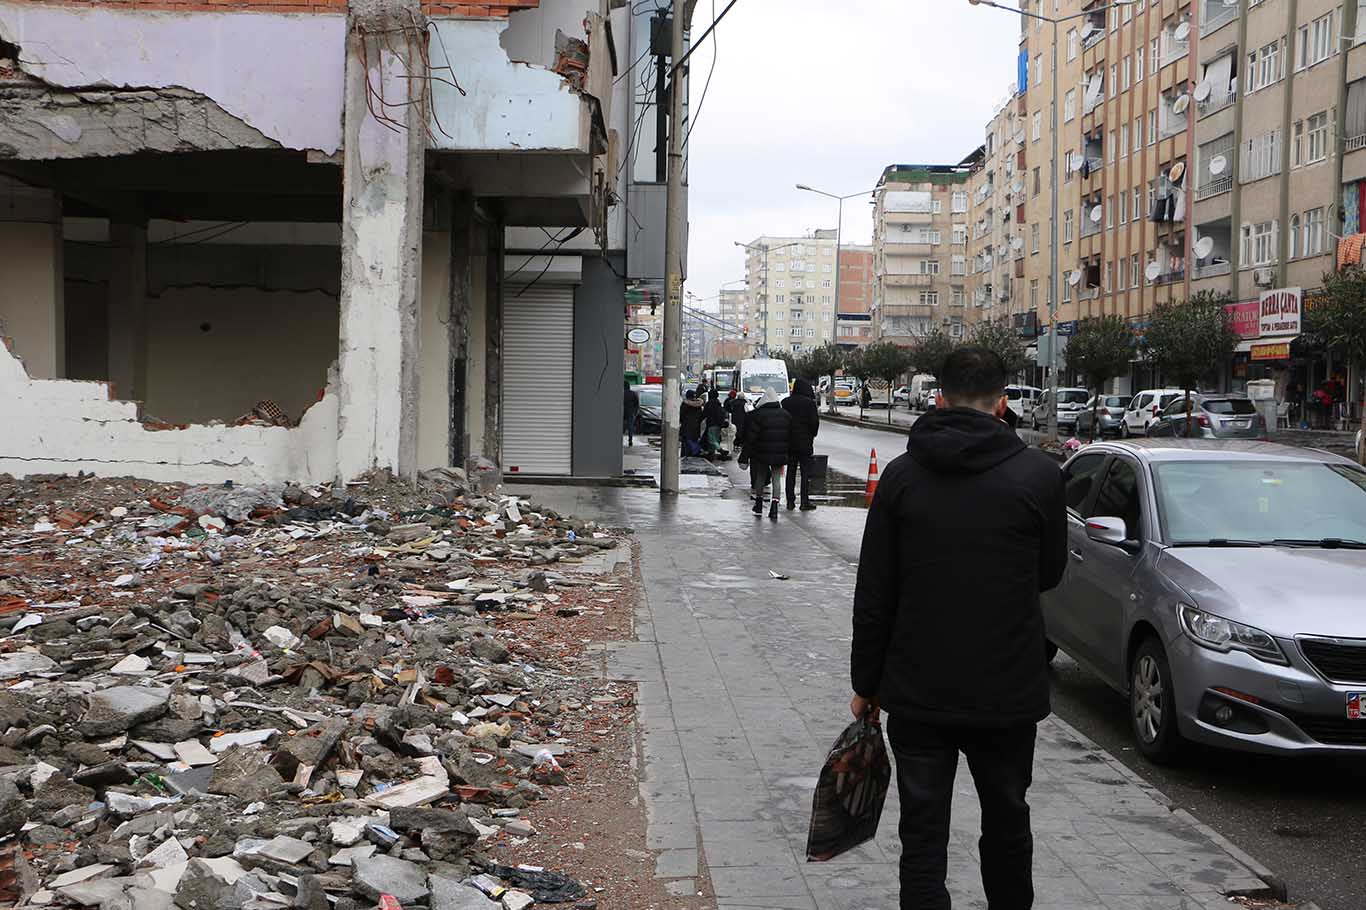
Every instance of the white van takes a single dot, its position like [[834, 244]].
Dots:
[[760, 375], [1022, 398], [920, 384]]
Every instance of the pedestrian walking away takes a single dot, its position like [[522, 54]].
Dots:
[[767, 441], [714, 418], [690, 424], [865, 397], [965, 531], [630, 412], [806, 424]]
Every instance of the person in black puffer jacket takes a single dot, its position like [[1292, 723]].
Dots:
[[714, 416], [690, 424], [768, 439], [806, 423]]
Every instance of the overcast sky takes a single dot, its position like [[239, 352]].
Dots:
[[827, 94]]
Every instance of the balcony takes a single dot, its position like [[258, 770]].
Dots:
[[1173, 50], [909, 281], [1214, 187], [1214, 105], [1212, 270], [894, 248], [1170, 277], [1090, 228], [1215, 15], [1355, 143]]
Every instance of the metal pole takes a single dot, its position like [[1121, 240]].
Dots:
[[673, 269], [1055, 279], [839, 236], [764, 349]]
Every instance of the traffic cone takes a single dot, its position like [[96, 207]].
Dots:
[[871, 488]]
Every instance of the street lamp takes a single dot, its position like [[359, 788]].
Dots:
[[767, 249], [839, 235], [1055, 278]]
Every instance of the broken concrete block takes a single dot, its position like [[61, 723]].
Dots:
[[193, 753], [310, 747], [200, 887], [244, 773], [449, 894], [122, 708], [377, 875]]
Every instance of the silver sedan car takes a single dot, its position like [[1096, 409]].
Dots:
[[1220, 585]]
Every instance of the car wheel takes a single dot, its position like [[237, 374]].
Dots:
[[1124, 429], [1152, 704], [1050, 651]]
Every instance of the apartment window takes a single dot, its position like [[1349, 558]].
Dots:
[[929, 298], [825, 299], [825, 283], [1125, 72], [1262, 156], [780, 267], [1038, 70], [1155, 56], [810, 333], [1266, 66], [1119, 276], [1069, 105], [1138, 135], [1138, 63], [1294, 236], [1316, 41], [810, 284], [1114, 77], [1067, 226], [778, 283], [960, 201], [1313, 232], [958, 265], [1034, 237], [1034, 294], [958, 297], [797, 315], [1297, 144], [780, 315], [1124, 209], [929, 266], [1110, 211], [1109, 276], [1135, 273], [960, 233], [1124, 140], [1318, 137], [1066, 287], [780, 298], [1069, 160], [1110, 147], [937, 207], [1037, 132], [1038, 183], [1128, 14], [1259, 244], [825, 267], [1138, 204], [1152, 127], [1071, 44], [1152, 195]]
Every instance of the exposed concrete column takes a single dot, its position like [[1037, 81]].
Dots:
[[382, 181], [461, 284], [493, 347], [32, 308], [128, 310]]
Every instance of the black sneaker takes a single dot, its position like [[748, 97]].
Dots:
[[808, 507], [758, 506], [773, 510], [791, 504]]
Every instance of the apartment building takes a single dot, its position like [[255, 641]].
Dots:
[[853, 317], [991, 211], [920, 257], [731, 342], [792, 291]]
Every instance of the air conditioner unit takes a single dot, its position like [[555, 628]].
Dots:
[[1264, 278]]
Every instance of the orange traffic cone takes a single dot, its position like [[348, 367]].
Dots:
[[871, 488]]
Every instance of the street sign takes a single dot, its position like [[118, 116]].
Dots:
[[638, 335]]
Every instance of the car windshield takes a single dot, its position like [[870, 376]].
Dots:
[[757, 384], [1169, 398], [1013, 394], [1260, 501], [1072, 396], [724, 381], [651, 396], [1115, 401], [1229, 406]]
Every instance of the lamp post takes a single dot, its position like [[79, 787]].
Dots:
[[1055, 278], [839, 236], [767, 248]]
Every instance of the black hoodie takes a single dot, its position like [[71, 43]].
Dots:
[[967, 528], [806, 418]]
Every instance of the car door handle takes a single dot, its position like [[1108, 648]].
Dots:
[[1076, 554]]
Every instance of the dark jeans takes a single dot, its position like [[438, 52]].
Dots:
[[806, 463], [1001, 762], [628, 425]]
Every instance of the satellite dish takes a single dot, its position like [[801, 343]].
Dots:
[[1180, 104], [1176, 173], [1202, 91], [1016, 185], [1217, 165], [1074, 277], [1087, 28], [1183, 31], [1096, 214], [1203, 247], [1017, 243], [1152, 271]]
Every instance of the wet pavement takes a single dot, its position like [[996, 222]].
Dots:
[[743, 687]]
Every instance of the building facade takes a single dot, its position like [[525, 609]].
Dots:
[[398, 279], [791, 282], [854, 321], [920, 261]]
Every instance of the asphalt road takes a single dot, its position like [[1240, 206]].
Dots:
[[1304, 818]]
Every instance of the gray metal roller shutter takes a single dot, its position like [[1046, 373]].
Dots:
[[538, 388]]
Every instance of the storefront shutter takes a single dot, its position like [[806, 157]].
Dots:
[[538, 387]]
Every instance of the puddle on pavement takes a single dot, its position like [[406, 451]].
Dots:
[[839, 490]]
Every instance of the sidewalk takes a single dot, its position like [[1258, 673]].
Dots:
[[743, 687]]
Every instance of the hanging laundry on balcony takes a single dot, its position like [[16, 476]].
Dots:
[[1349, 250]]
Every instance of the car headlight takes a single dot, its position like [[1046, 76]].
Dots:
[[1221, 634]]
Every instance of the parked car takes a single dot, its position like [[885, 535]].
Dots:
[[1217, 584], [901, 395], [845, 393], [1071, 401], [649, 420], [931, 398], [1022, 398], [1213, 416], [1144, 409], [1109, 411]]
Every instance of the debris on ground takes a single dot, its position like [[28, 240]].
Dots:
[[229, 696]]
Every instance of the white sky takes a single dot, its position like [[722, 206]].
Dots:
[[828, 93]]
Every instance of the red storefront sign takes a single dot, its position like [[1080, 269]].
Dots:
[[1246, 318]]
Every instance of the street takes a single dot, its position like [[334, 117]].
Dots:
[[1302, 818]]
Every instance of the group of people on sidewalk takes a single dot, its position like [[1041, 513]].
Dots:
[[776, 438]]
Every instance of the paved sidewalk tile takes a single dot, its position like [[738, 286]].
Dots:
[[744, 687]]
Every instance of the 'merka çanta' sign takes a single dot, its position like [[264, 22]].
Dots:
[[1280, 312]]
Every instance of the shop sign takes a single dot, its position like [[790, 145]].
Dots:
[[1279, 350], [1067, 329], [1280, 312], [1246, 318], [638, 335]]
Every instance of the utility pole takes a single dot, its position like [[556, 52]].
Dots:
[[673, 266]]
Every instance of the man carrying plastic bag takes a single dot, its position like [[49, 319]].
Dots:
[[965, 531]]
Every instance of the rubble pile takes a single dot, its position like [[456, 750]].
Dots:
[[229, 697]]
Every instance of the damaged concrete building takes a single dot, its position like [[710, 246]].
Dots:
[[262, 240]]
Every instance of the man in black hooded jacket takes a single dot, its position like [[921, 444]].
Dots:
[[806, 423], [965, 531]]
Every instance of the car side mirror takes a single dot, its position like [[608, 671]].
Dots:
[[1109, 530]]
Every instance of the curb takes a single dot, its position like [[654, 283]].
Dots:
[[1275, 885], [868, 424]]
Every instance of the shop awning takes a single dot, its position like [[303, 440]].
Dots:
[[1278, 349], [1245, 346]]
